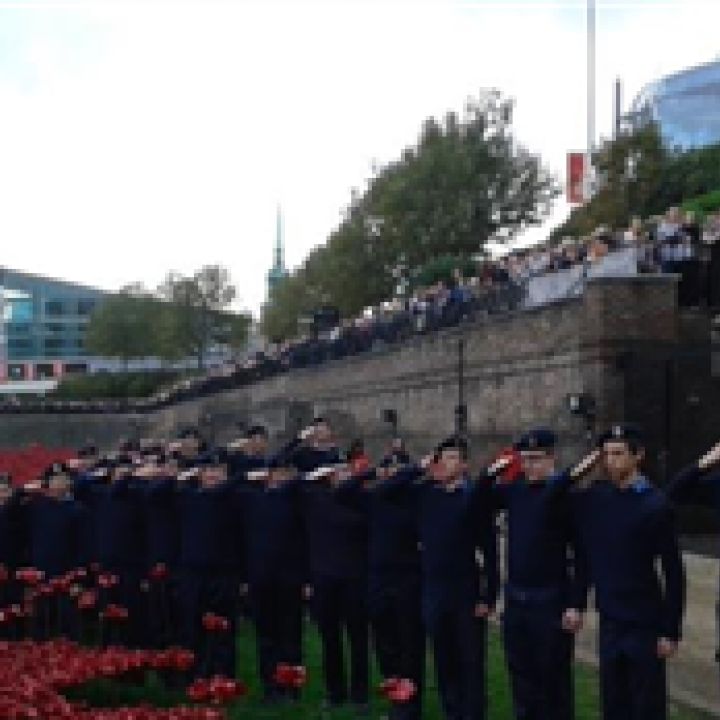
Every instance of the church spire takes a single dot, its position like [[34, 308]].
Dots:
[[277, 271], [279, 249]]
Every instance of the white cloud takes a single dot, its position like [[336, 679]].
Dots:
[[140, 137]]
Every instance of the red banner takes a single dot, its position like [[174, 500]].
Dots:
[[575, 177]]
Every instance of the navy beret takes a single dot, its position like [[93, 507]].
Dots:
[[213, 458], [627, 432], [454, 442], [255, 430], [537, 439]]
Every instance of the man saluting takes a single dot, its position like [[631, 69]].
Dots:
[[627, 527], [546, 591]]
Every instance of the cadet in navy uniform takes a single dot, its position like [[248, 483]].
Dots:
[[546, 591], [700, 482], [627, 527], [389, 495], [249, 453], [276, 567], [160, 513], [209, 560], [56, 523], [337, 549], [12, 540], [114, 498], [455, 524]]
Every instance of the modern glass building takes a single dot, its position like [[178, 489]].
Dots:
[[685, 105], [42, 326]]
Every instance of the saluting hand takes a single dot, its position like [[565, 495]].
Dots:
[[711, 458], [585, 465], [666, 648], [482, 610], [572, 620]]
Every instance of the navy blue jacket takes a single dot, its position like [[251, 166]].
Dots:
[[274, 533], [118, 527], [543, 555], [211, 534], [56, 534], [454, 526], [625, 533], [240, 464], [160, 513], [336, 532], [13, 532], [390, 505]]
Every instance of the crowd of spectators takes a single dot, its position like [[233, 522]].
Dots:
[[673, 243]]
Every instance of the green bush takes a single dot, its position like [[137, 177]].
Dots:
[[703, 204], [106, 386]]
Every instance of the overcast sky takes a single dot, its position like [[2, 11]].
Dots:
[[138, 137]]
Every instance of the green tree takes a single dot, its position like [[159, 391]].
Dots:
[[466, 181], [195, 316], [122, 325], [639, 176]]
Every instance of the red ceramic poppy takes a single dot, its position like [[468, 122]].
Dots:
[[29, 576], [158, 572], [215, 623], [107, 580], [291, 676], [398, 690], [114, 612]]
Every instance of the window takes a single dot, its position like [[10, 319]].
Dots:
[[18, 328], [86, 306], [54, 308], [75, 368], [52, 344], [19, 344], [16, 372], [54, 327], [44, 371]]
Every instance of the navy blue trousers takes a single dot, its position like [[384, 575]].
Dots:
[[277, 612], [127, 593], [632, 677], [341, 608], [460, 645], [201, 591], [399, 636], [539, 655]]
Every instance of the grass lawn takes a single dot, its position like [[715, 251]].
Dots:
[[112, 693]]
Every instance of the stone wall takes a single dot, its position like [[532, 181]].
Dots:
[[518, 371]]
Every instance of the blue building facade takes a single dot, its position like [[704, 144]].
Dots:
[[685, 105], [43, 323]]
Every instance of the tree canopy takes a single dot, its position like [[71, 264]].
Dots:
[[465, 182], [184, 318]]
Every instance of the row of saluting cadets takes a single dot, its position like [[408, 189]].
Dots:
[[404, 554]]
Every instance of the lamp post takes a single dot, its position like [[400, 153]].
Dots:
[[461, 407]]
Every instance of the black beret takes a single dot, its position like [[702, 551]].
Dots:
[[537, 439], [57, 468], [255, 430], [627, 432], [454, 442], [213, 458], [87, 451]]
